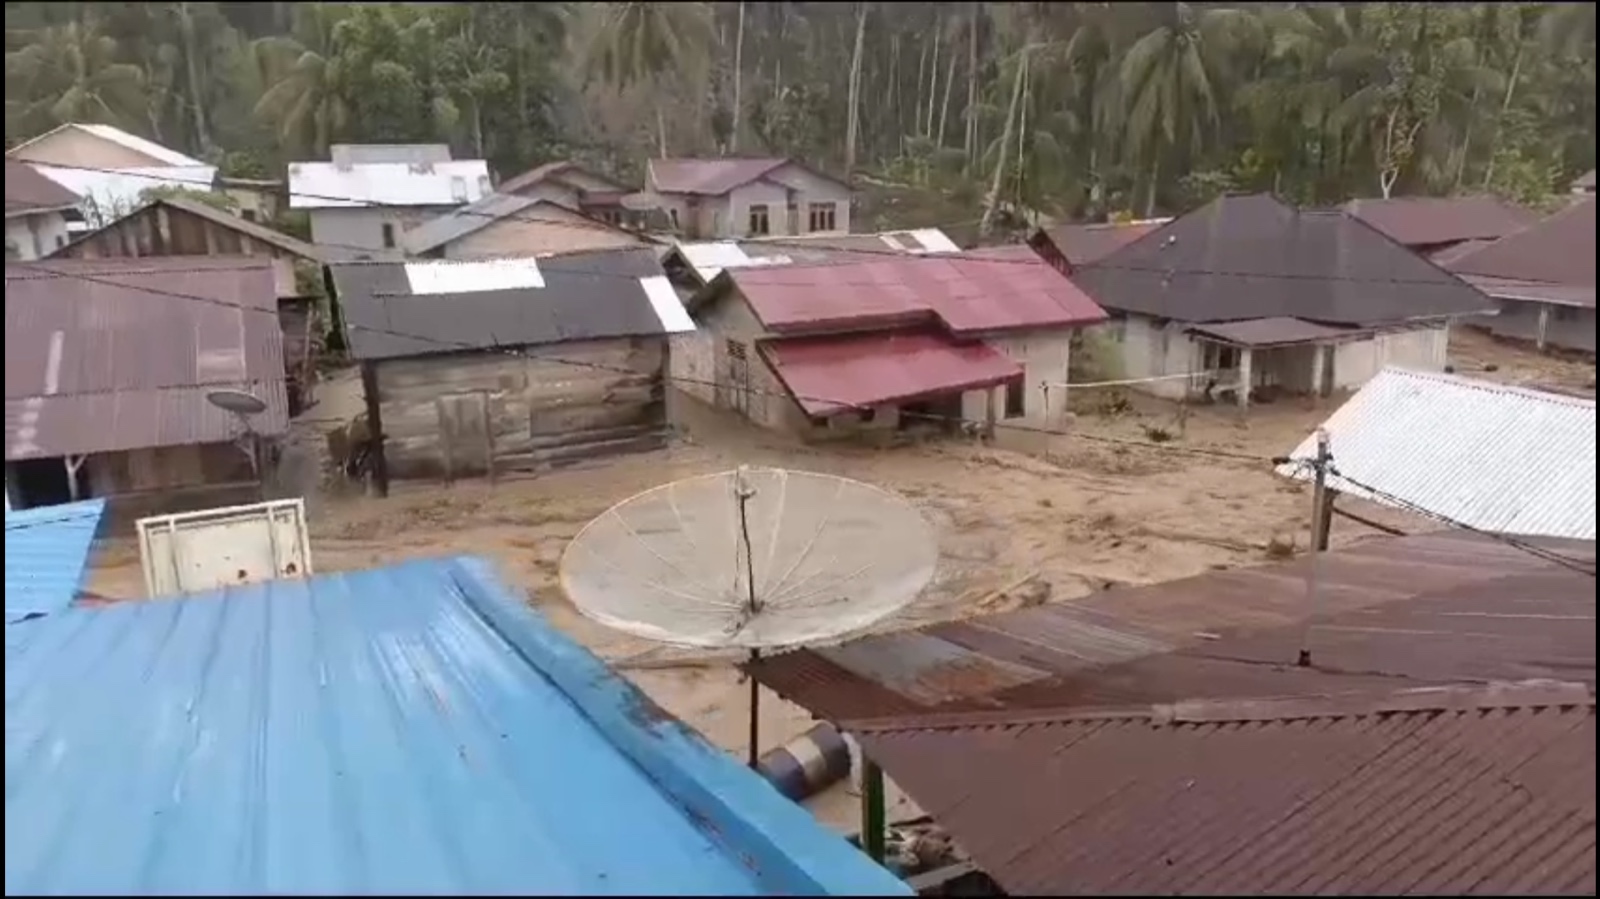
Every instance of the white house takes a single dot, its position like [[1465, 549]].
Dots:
[[364, 199], [737, 198], [109, 169]]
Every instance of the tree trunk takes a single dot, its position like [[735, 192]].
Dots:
[[933, 79], [986, 224], [1499, 131], [1155, 185], [853, 120], [661, 132], [917, 105], [971, 143], [738, 81], [944, 103], [191, 63]]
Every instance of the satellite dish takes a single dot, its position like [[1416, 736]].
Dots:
[[238, 402], [755, 559]]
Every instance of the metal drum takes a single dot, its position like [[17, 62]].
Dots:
[[808, 764]]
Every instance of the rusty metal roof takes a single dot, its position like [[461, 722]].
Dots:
[[1557, 250], [1430, 221], [1455, 791], [967, 295], [830, 374], [118, 354], [1429, 606]]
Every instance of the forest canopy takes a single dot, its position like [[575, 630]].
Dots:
[[1080, 109]]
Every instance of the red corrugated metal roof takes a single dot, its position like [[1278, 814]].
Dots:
[[829, 374], [1460, 791], [968, 295], [113, 354], [1429, 221], [1557, 250]]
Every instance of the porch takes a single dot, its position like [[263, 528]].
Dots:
[[1269, 354]]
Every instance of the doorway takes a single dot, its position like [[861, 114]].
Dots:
[[38, 482]]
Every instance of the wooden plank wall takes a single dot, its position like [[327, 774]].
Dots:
[[472, 414], [160, 230]]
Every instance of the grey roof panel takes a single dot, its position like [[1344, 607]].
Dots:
[[587, 296]]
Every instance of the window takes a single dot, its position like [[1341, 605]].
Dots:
[[388, 235], [1220, 357], [672, 215], [1015, 400], [248, 215], [822, 216], [61, 241], [760, 220], [735, 350], [867, 415], [611, 217], [1565, 313]]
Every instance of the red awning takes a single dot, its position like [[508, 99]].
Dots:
[[830, 374]]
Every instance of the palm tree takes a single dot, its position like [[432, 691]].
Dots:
[[72, 73], [633, 42], [308, 102], [1171, 78]]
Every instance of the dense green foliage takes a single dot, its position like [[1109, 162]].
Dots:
[[1075, 108]]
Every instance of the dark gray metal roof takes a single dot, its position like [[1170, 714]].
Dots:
[[586, 296], [1251, 257]]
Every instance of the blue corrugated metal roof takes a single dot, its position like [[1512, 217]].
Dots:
[[412, 729], [47, 553]]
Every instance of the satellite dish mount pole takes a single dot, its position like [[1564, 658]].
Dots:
[[752, 609]]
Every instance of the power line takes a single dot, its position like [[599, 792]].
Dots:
[[1534, 550], [667, 377]]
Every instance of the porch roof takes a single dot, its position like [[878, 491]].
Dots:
[[1274, 331]]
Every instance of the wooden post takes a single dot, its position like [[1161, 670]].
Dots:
[[73, 463], [1245, 378], [873, 811], [380, 459], [1324, 524], [488, 437], [1544, 327], [1319, 539]]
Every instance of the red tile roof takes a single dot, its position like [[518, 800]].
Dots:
[[831, 374], [1431, 221], [1458, 791], [967, 295]]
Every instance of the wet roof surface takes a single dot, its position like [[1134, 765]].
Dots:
[[829, 374], [412, 729]]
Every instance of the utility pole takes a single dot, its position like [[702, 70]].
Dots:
[[1319, 541]]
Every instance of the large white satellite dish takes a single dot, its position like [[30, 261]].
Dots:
[[754, 559]]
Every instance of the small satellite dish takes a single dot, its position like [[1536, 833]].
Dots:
[[238, 402], [755, 559]]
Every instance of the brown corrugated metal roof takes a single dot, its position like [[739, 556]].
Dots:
[[714, 177], [28, 191], [1083, 244], [1430, 221], [117, 354], [830, 374], [1535, 291], [1429, 606], [291, 245], [1469, 790], [1242, 257], [1558, 250]]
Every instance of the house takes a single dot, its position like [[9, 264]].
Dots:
[[503, 224], [579, 188], [109, 363], [37, 211], [1161, 740], [880, 343], [1584, 184], [110, 169], [1495, 458], [1249, 291], [479, 367], [416, 729], [1442, 228], [706, 199], [1542, 278], [1068, 246], [47, 556], [691, 265], [363, 199], [177, 226], [256, 199]]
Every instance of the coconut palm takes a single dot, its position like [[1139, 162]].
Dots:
[[70, 73], [633, 42], [308, 101]]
